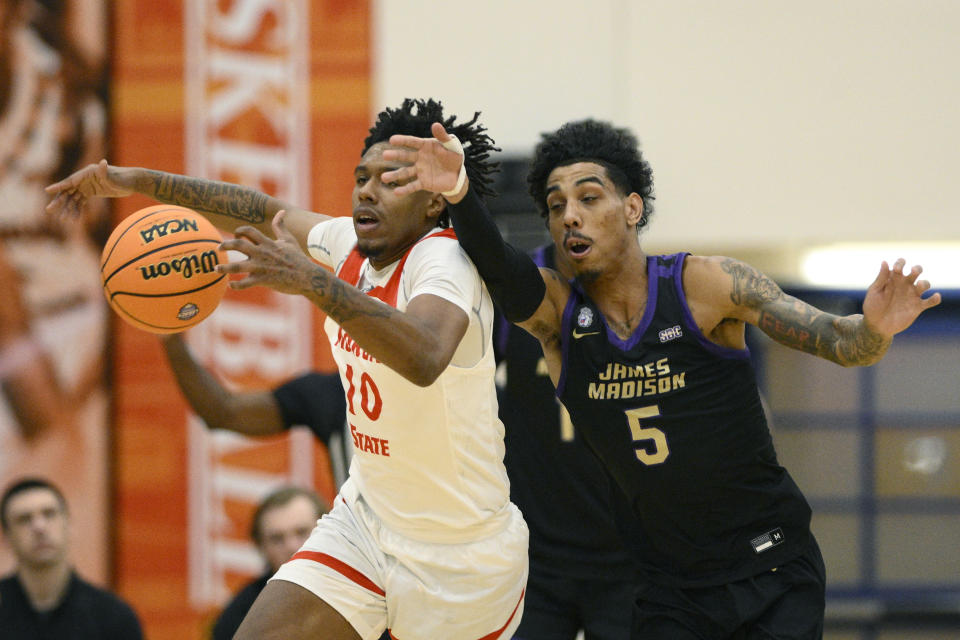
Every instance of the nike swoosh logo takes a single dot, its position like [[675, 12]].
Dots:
[[577, 335]]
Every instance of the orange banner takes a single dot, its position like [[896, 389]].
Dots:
[[275, 96], [54, 399]]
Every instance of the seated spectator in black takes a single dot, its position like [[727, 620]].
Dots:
[[281, 524], [44, 597]]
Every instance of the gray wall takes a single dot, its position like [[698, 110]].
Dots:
[[771, 125]]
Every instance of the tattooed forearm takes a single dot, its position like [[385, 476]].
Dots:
[[796, 324], [343, 302], [750, 287], [861, 346], [234, 201], [846, 341]]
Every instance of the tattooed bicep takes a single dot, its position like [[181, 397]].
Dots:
[[750, 288]]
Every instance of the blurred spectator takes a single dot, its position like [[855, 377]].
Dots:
[[281, 524], [44, 597]]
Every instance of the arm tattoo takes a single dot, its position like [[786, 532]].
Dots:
[[750, 287], [337, 299], [234, 201], [844, 340], [862, 346]]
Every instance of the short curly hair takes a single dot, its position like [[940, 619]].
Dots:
[[414, 118], [615, 149], [27, 484]]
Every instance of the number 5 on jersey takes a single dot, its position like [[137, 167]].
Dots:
[[650, 442]]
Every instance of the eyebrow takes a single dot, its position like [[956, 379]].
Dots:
[[576, 184]]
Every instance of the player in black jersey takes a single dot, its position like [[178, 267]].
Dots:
[[580, 573], [648, 355]]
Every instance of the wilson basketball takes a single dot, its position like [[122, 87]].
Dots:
[[159, 269]]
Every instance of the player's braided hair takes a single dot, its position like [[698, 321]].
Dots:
[[414, 118], [616, 149]]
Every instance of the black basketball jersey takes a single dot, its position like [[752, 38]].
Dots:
[[555, 479], [678, 422]]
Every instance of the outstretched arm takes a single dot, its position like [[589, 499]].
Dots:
[[516, 284], [418, 342], [738, 291], [226, 205], [252, 413]]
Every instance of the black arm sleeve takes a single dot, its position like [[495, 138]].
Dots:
[[512, 278], [314, 400]]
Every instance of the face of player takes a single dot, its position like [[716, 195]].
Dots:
[[386, 224], [591, 223], [37, 528], [285, 528]]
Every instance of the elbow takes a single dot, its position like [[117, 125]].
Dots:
[[423, 372], [423, 376]]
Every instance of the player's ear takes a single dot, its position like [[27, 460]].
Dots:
[[633, 209], [436, 205]]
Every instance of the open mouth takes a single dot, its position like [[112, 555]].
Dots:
[[364, 220], [577, 247]]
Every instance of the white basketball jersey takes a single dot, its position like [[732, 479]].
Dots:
[[428, 460]]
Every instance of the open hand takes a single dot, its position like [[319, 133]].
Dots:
[[70, 195], [895, 299], [279, 264], [432, 167]]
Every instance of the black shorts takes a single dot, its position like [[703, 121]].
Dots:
[[557, 607], [786, 603]]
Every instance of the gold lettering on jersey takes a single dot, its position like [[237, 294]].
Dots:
[[618, 371], [363, 442], [622, 382], [346, 343]]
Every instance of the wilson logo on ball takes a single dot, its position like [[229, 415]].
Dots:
[[186, 267], [159, 269], [170, 226]]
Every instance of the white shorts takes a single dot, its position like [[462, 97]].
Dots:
[[378, 579]]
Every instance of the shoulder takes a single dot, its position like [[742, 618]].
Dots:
[[439, 256], [439, 246], [236, 609], [331, 239], [109, 607], [99, 594], [8, 584], [720, 288], [706, 277]]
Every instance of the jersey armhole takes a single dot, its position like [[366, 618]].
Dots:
[[691, 324]]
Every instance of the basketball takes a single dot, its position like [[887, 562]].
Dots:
[[158, 269]]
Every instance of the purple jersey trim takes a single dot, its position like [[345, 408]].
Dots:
[[539, 256], [503, 334], [653, 277], [724, 352]]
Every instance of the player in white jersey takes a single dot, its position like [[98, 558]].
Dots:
[[422, 540]]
